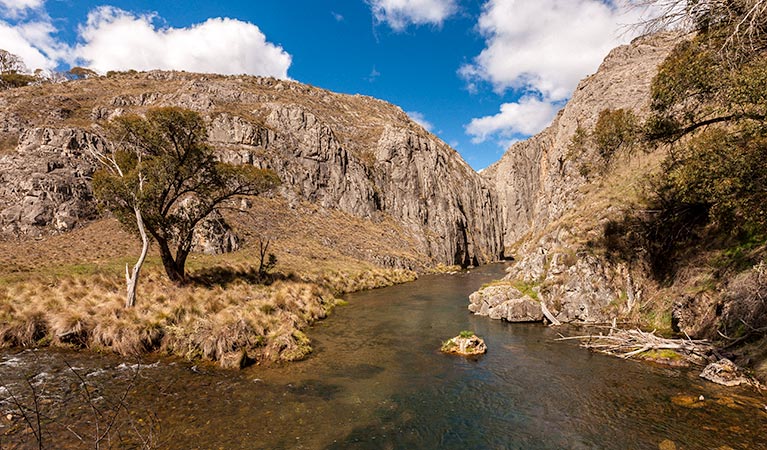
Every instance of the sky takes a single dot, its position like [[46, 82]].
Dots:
[[479, 74]]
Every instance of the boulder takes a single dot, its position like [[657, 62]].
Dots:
[[724, 372], [465, 345], [507, 303], [213, 236]]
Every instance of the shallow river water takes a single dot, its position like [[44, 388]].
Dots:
[[377, 380]]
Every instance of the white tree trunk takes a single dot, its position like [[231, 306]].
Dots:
[[131, 280]]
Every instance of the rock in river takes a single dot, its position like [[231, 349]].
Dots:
[[466, 344], [724, 372]]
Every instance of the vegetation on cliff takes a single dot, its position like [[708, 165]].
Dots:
[[699, 225], [644, 201]]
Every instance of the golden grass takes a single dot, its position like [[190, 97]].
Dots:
[[193, 321], [68, 290]]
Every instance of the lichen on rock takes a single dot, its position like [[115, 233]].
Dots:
[[467, 344]]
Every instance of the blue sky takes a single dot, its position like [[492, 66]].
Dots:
[[479, 74]]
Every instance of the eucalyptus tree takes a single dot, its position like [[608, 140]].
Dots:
[[161, 178]]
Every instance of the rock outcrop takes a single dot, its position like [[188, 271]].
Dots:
[[45, 184], [724, 372], [541, 193], [348, 153], [536, 179], [507, 303]]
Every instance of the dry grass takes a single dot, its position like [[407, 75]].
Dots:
[[67, 290]]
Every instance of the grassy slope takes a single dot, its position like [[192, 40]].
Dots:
[[68, 289]]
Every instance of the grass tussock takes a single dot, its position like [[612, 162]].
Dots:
[[50, 294], [192, 321]]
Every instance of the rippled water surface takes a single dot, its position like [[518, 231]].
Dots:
[[377, 380]]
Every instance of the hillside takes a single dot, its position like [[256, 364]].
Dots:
[[368, 198], [603, 221], [353, 154]]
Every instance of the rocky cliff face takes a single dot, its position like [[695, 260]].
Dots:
[[536, 180], [550, 211], [350, 153], [45, 184]]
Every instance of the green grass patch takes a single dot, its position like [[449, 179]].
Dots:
[[527, 288], [662, 354]]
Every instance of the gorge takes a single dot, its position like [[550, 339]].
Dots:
[[370, 199]]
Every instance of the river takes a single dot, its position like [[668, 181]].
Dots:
[[376, 380]]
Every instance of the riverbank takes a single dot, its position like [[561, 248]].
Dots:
[[376, 379], [67, 291]]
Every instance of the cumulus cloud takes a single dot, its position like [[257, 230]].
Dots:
[[526, 117], [542, 48], [547, 46], [17, 8], [113, 39], [420, 119], [398, 14], [33, 43]]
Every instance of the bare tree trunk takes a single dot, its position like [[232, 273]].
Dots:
[[131, 280], [263, 247], [548, 315]]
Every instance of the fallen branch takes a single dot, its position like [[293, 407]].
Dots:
[[630, 343], [550, 317]]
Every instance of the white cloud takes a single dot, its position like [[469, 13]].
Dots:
[[526, 117], [398, 14], [420, 119], [542, 48], [33, 43], [113, 39], [547, 46], [17, 8]]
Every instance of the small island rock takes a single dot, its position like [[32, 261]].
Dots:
[[466, 344]]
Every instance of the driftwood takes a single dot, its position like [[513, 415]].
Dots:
[[550, 317], [629, 343]]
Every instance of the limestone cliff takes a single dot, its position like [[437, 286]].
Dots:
[[536, 180], [551, 212], [354, 154]]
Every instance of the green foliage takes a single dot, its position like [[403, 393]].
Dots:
[[662, 354], [690, 77], [466, 334], [615, 131], [727, 173], [709, 107], [14, 80], [527, 289], [170, 173], [577, 148]]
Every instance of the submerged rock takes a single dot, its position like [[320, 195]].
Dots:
[[466, 344], [724, 372]]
